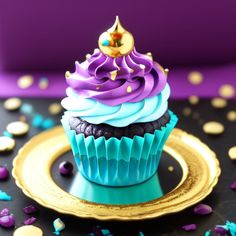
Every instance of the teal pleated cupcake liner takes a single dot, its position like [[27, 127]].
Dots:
[[118, 162]]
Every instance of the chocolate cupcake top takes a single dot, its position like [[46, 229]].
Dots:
[[116, 84]]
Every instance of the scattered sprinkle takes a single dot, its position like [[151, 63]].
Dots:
[[233, 186], [58, 226], [66, 168], [4, 212], [4, 196], [6, 144], [149, 54], [30, 209], [219, 103], [213, 128], [141, 234], [202, 209], [18, 128], [7, 134], [4, 173], [113, 74], [105, 232], [30, 221], [166, 71], [47, 123], [43, 83], [87, 56], [27, 109], [129, 89], [37, 121], [171, 168], [7, 221], [231, 116], [187, 111], [55, 108], [98, 87], [195, 77], [142, 66], [12, 104], [28, 230], [190, 227], [227, 91], [67, 74], [193, 100], [23, 119], [25, 81], [220, 230]]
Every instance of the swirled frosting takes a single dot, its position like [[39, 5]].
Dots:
[[114, 81], [95, 112]]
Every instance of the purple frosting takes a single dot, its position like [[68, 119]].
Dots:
[[137, 72]]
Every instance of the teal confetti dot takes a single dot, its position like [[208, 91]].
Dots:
[[37, 121], [47, 124], [58, 226], [27, 109], [7, 134], [208, 233], [4, 196], [105, 232], [105, 42], [141, 234]]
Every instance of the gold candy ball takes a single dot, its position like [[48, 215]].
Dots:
[[116, 41]]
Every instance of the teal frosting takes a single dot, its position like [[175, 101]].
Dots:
[[147, 110]]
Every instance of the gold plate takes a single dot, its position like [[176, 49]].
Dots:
[[32, 172]]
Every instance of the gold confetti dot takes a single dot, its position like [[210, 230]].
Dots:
[[195, 77], [129, 89], [12, 104], [25, 81], [166, 71], [232, 153], [6, 144], [213, 128], [193, 100], [23, 118], [87, 56], [67, 74], [142, 66], [219, 102], [18, 128], [55, 108], [171, 168], [231, 116], [113, 74], [28, 230], [226, 91], [187, 111]]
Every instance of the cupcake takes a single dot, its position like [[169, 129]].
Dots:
[[117, 118]]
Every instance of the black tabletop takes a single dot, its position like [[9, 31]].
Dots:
[[222, 199]]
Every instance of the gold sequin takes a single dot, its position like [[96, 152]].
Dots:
[[166, 71], [232, 153], [226, 91], [43, 84], [187, 111], [28, 230], [25, 81], [195, 77], [12, 104], [213, 128], [18, 128], [149, 54], [55, 108], [129, 89], [6, 144], [171, 168], [193, 100], [231, 116], [113, 74], [219, 102], [67, 74]]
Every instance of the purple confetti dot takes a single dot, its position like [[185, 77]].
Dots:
[[4, 173], [66, 168], [202, 209], [190, 227], [30, 209], [233, 186], [220, 230], [4, 212], [30, 221], [7, 221]]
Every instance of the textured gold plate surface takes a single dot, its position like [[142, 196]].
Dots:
[[32, 172]]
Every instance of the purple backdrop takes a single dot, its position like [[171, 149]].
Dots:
[[51, 35]]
